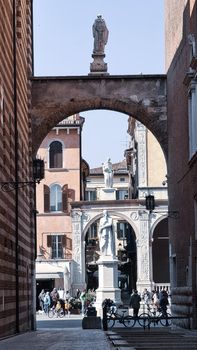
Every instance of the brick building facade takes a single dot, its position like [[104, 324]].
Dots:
[[181, 63], [16, 207], [17, 244], [61, 151]]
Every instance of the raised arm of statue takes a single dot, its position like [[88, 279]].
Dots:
[[100, 34]]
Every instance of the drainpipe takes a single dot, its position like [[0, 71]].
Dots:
[[16, 165]]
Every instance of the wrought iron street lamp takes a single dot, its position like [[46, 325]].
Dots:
[[37, 176], [150, 202]]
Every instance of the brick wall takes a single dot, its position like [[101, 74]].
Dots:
[[16, 234], [180, 22]]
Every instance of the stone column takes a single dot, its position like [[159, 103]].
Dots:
[[78, 272], [144, 259]]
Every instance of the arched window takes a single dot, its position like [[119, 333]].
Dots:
[[55, 155], [56, 198]]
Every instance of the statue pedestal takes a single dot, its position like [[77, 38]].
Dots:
[[107, 194], [108, 282], [98, 66]]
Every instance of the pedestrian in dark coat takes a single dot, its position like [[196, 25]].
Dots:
[[135, 303], [163, 301]]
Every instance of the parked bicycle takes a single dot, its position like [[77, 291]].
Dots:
[[128, 321], [157, 316], [113, 316]]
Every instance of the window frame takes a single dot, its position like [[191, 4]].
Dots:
[[57, 204], [59, 166]]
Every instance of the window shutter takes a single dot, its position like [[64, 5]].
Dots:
[[64, 241], [71, 194], [49, 241], [46, 199], [65, 198], [68, 243]]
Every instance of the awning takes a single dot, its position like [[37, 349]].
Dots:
[[47, 276], [45, 270]]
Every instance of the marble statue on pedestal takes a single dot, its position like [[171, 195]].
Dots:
[[100, 34], [106, 237], [108, 173]]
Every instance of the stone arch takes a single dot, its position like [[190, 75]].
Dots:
[[157, 221], [112, 212], [142, 97], [132, 271]]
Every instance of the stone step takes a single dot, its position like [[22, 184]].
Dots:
[[155, 339]]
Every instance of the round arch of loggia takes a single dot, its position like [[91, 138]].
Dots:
[[152, 229], [112, 213]]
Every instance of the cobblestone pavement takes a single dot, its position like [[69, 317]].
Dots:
[[96, 339], [68, 339]]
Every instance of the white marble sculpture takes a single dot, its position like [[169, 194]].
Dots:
[[108, 173], [106, 237]]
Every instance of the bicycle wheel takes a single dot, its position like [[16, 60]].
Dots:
[[166, 321], [144, 320], [61, 313], [129, 321], [51, 313], [110, 322]]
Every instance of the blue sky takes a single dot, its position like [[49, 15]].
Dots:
[[63, 45]]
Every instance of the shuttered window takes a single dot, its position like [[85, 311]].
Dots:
[[56, 247], [56, 198]]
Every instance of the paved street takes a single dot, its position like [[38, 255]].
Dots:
[[58, 334], [44, 322], [67, 334]]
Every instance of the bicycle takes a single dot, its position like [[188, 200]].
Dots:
[[113, 316], [157, 316], [56, 312]]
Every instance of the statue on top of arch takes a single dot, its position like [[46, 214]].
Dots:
[[100, 34]]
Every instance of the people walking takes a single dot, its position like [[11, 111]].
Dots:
[[54, 297], [78, 293], [163, 301], [147, 297], [83, 301], [155, 299], [135, 303], [47, 303], [41, 299]]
